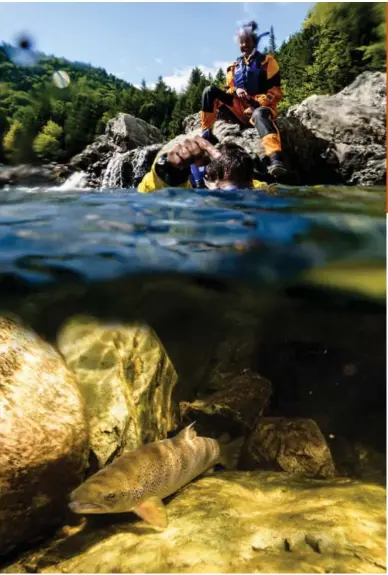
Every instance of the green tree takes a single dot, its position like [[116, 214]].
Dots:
[[4, 126], [364, 25], [331, 69], [14, 143], [220, 78], [272, 42], [46, 145]]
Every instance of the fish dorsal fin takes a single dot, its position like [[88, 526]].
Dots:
[[188, 433], [153, 512]]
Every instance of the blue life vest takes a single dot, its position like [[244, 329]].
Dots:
[[252, 77]]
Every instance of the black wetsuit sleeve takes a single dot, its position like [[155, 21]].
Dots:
[[170, 174]]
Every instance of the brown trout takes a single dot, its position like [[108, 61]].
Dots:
[[137, 481]]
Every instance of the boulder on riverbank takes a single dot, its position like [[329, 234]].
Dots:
[[120, 157], [326, 139], [26, 175]]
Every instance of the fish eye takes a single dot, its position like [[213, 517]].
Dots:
[[110, 496]]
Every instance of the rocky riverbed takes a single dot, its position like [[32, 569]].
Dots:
[[245, 522]]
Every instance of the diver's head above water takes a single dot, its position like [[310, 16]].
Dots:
[[227, 166], [234, 168]]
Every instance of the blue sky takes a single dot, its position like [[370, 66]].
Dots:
[[148, 39]]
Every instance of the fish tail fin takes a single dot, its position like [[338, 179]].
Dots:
[[230, 453]]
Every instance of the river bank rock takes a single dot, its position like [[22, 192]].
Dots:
[[26, 175], [233, 522], [326, 139], [353, 122], [126, 380], [107, 153], [129, 132], [296, 446], [43, 435]]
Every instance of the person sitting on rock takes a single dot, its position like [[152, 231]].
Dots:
[[252, 94], [228, 166]]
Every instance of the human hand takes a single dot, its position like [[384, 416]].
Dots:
[[241, 93], [248, 111], [191, 150]]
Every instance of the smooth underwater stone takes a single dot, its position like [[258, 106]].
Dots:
[[43, 435]]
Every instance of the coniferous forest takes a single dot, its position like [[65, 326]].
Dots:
[[40, 122]]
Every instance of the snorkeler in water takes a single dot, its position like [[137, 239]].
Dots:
[[225, 166]]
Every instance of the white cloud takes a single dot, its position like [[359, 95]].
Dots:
[[158, 60], [139, 69], [179, 79]]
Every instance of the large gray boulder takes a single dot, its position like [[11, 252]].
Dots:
[[326, 139], [353, 123], [129, 132], [108, 160]]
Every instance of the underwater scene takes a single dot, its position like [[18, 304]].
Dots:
[[253, 320]]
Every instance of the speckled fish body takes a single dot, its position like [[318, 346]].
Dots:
[[138, 480]]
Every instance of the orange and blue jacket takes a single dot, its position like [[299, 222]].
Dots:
[[259, 75]]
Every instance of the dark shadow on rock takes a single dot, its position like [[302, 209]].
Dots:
[[96, 529]]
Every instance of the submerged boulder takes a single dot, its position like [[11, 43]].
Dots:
[[237, 405], [43, 435], [126, 380], [296, 446], [233, 522]]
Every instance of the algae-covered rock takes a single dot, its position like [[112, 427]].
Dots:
[[43, 435], [126, 379], [293, 445], [234, 522]]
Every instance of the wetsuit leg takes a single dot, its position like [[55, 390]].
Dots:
[[268, 132], [262, 118], [212, 98]]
